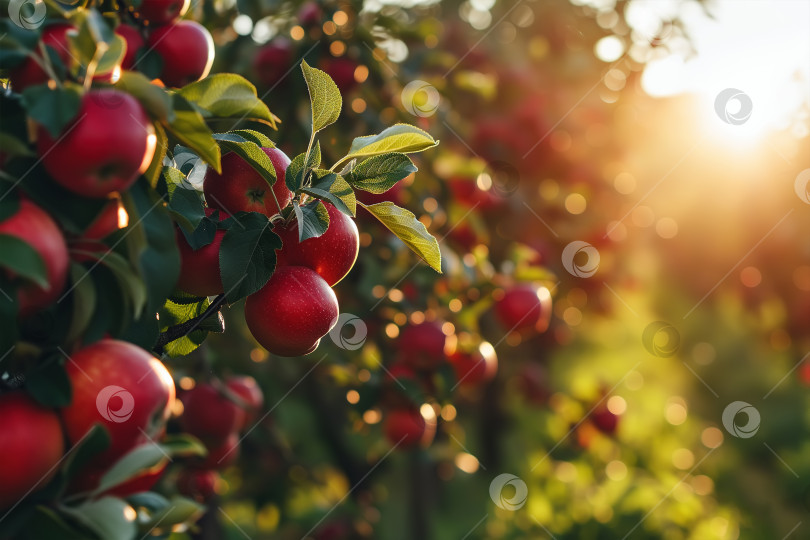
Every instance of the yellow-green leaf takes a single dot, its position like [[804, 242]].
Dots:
[[324, 96], [410, 230]]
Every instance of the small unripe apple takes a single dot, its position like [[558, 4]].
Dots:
[[199, 270], [109, 144], [241, 189], [421, 346], [524, 308], [292, 312], [187, 50], [34, 226], [331, 255]]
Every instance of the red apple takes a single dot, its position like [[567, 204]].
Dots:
[[29, 72], [241, 189], [124, 389], [272, 62], [604, 420], [187, 50], [31, 445], [292, 312], [199, 270], [33, 225], [200, 485], [475, 368], [310, 15], [524, 308], [247, 389], [134, 41], [162, 11], [220, 455], [421, 346], [109, 144], [105, 223], [331, 255], [407, 428], [209, 415], [467, 192]]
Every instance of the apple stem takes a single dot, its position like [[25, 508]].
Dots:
[[180, 330], [273, 193], [101, 48]]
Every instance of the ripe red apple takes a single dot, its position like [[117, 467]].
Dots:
[[341, 70], [524, 308], [124, 389], [331, 255], [604, 420], [199, 270], [199, 484], [31, 445], [272, 62], [209, 415], [134, 41], [292, 312], [421, 345], [29, 72], [187, 50], [105, 223], [33, 225], [162, 11], [247, 389], [241, 189], [109, 144], [408, 428], [475, 368]]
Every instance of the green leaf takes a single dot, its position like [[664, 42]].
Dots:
[[204, 233], [109, 518], [183, 445], [251, 153], [226, 95], [297, 169], [130, 283], [174, 313], [324, 96], [410, 230], [313, 220], [254, 136], [152, 173], [112, 55], [95, 441], [185, 204], [54, 108], [84, 302], [20, 257], [149, 500], [48, 383], [154, 99], [179, 510], [46, 523], [247, 256], [380, 173], [12, 146], [189, 127], [332, 187], [133, 463], [401, 138]]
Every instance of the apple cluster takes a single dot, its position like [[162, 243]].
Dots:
[[216, 412], [297, 306]]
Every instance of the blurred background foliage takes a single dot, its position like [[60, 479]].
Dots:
[[550, 134]]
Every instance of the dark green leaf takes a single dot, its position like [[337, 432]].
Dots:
[[331, 187], [180, 510], [410, 230], [83, 297], [313, 220], [95, 441], [185, 203], [53, 108], [226, 95], [324, 96], [128, 281], [254, 136], [136, 461], [48, 383], [21, 258], [297, 169], [251, 153], [247, 256], [12, 146], [154, 99], [109, 518], [204, 233], [380, 173], [152, 173], [48, 524]]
